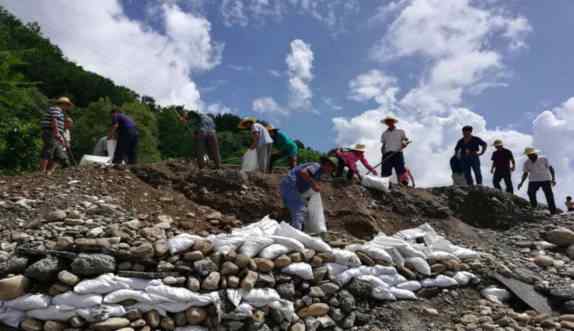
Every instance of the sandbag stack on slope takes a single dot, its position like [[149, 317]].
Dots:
[[264, 276]]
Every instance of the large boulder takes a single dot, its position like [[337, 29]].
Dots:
[[91, 265], [560, 237], [13, 287], [44, 270]]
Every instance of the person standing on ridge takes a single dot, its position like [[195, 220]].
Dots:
[[394, 141], [127, 135], [349, 159], [260, 140], [206, 141], [286, 146], [301, 180], [471, 148], [541, 175], [503, 165], [53, 129]]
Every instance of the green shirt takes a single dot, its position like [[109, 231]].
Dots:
[[284, 143]]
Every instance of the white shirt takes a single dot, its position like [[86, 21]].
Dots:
[[538, 171], [264, 136], [393, 140]]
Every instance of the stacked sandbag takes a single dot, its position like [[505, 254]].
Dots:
[[267, 275]]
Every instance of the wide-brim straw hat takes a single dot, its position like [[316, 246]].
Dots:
[[389, 119], [530, 151], [63, 101], [243, 123], [359, 148], [497, 142]]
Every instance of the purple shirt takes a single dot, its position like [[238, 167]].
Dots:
[[124, 122]]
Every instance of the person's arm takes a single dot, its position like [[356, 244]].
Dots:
[[492, 168], [368, 166], [254, 139], [412, 178], [512, 162], [458, 147], [483, 147], [553, 173], [306, 176], [524, 177], [404, 141], [55, 132], [113, 131]]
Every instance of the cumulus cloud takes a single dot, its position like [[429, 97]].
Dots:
[[149, 62], [268, 105], [218, 109], [299, 69], [374, 85]]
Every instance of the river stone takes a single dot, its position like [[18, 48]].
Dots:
[[248, 282], [562, 293], [205, 267], [68, 278], [111, 324], [233, 281], [56, 216], [14, 265], [143, 251], [229, 268], [152, 318], [54, 326], [31, 325], [167, 324], [195, 315], [211, 282], [193, 284], [560, 236], [314, 310], [544, 261], [264, 265], [92, 265], [44, 270], [282, 261], [360, 288]]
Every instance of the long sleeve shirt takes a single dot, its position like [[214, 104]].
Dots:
[[351, 158]]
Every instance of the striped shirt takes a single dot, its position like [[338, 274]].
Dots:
[[53, 113]]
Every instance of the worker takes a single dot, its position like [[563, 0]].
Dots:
[[127, 134], [261, 141], [53, 127], [457, 169], [569, 204], [394, 141], [503, 165], [471, 148], [541, 175], [298, 182], [349, 158], [101, 148], [286, 147], [206, 141], [407, 178]]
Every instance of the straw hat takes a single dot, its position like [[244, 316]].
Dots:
[[63, 101], [497, 143], [243, 123], [271, 128], [389, 118], [331, 159], [530, 151], [359, 148]]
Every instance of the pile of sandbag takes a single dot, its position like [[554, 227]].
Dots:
[[265, 275]]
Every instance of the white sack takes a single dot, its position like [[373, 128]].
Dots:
[[181, 243], [382, 270], [420, 265], [346, 276], [274, 251], [101, 313], [398, 259], [249, 161], [316, 244], [315, 222], [234, 296], [103, 284], [412, 285], [346, 257], [393, 280], [12, 317], [127, 294], [463, 278], [225, 240], [260, 297], [496, 294], [440, 256], [94, 159], [374, 252], [408, 251], [403, 294], [180, 294], [253, 245], [373, 280], [265, 227], [173, 307], [440, 281], [301, 270], [291, 243], [111, 145], [77, 300], [29, 302], [376, 182], [465, 253], [334, 269], [381, 293], [53, 313]]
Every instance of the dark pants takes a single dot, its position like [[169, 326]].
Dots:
[[53, 150], [499, 176], [341, 164], [472, 164], [127, 147], [393, 160], [546, 187]]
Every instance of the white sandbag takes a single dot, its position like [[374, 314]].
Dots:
[[77, 300], [393, 280], [346, 276], [374, 252], [316, 244], [300, 269], [465, 253], [180, 294], [12, 317], [249, 161], [29, 302], [94, 160], [346, 257], [265, 227], [291, 243], [382, 293], [402, 294], [101, 285], [398, 259], [53, 313], [173, 307], [260, 297], [101, 313], [408, 251], [334, 269], [440, 281], [315, 222], [496, 294], [274, 251], [440, 256], [383, 270], [127, 294], [226, 240], [373, 280], [376, 183], [234, 296], [242, 312], [181, 243], [253, 245], [412, 285], [191, 328], [419, 264], [464, 278], [111, 145]]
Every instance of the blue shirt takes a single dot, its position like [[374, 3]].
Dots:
[[294, 175], [124, 122], [473, 146], [206, 123]]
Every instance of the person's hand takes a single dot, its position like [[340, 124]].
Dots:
[[520, 186], [374, 173], [315, 186], [512, 168], [554, 182]]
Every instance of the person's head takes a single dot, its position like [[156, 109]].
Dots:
[[568, 198], [328, 164], [247, 123], [68, 123], [390, 121], [359, 149], [531, 153], [498, 144], [64, 103], [115, 110], [272, 130], [467, 131]]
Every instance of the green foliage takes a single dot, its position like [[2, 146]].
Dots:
[[175, 137]]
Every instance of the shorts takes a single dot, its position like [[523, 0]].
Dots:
[[53, 150]]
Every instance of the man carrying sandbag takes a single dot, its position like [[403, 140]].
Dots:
[[126, 130], [261, 142], [300, 183]]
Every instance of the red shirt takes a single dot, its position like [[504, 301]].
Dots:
[[352, 157]]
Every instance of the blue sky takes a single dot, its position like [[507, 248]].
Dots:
[[326, 71]]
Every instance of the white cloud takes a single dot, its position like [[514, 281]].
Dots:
[[233, 13], [218, 109], [300, 65], [268, 105], [374, 85], [274, 73], [154, 64], [332, 104]]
